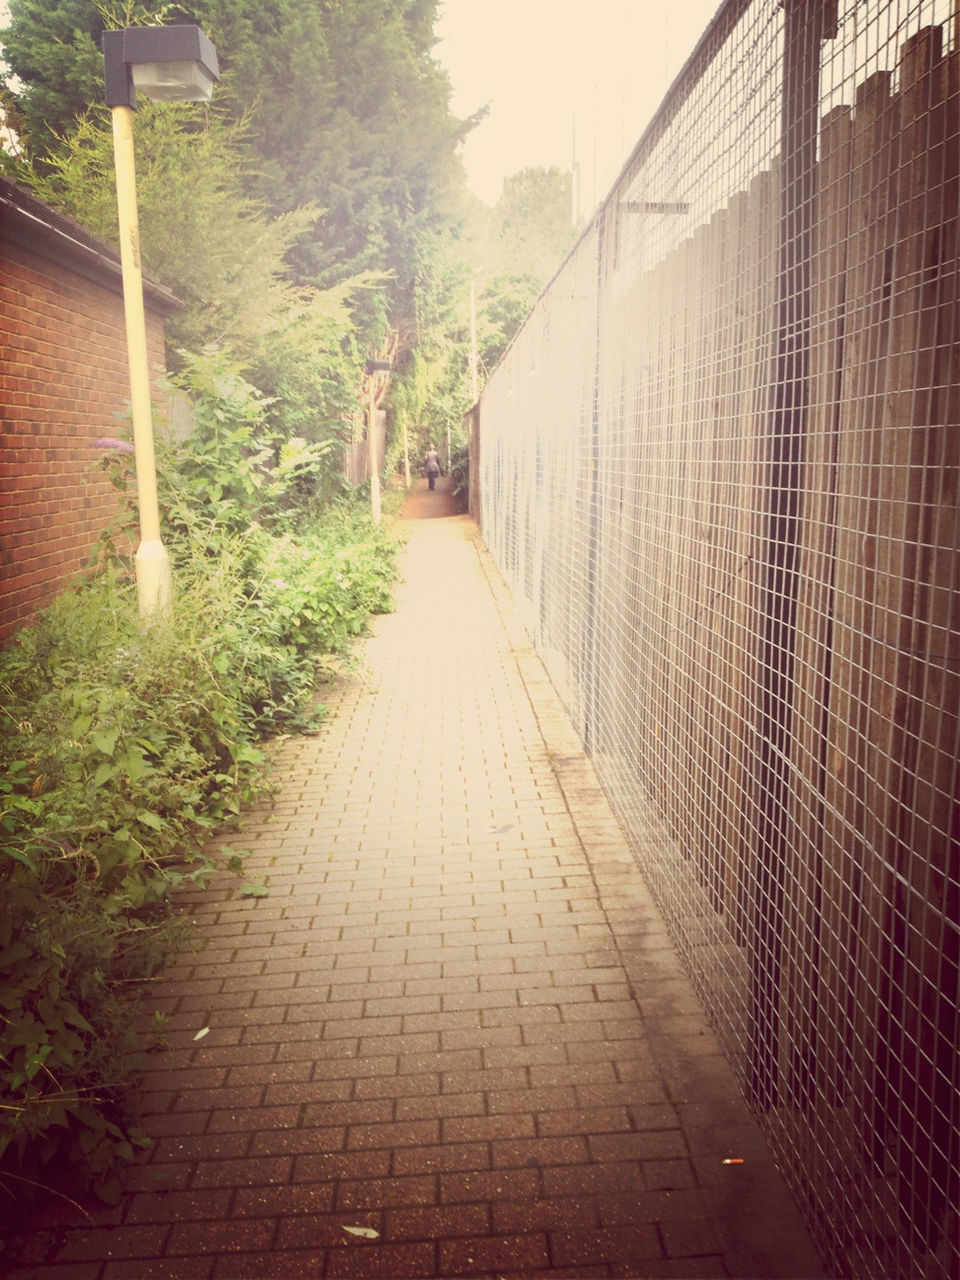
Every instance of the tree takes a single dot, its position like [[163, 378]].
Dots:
[[223, 256], [536, 222], [55, 67], [327, 161], [514, 250], [344, 107]]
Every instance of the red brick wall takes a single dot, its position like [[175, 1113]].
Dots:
[[63, 383]]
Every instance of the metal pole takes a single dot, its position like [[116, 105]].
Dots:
[[154, 580], [373, 453], [805, 22], [588, 648], [474, 390]]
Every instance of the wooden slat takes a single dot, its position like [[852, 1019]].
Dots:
[[706, 533], [912, 810], [864, 349], [742, 596], [724, 517], [815, 602]]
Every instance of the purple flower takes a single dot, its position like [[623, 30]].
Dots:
[[121, 446]]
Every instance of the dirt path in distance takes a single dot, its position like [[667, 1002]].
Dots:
[[421, 504]]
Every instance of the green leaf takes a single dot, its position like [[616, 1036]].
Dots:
[[134, 765], [81, 725], [253, 891], [105, 771], [105, 740], [21, 857], [150, 819], [73, 1016]]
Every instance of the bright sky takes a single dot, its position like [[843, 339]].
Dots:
[[558, 70], [553, 70]]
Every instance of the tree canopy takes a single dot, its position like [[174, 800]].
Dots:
[[343, 105], [315, 212]]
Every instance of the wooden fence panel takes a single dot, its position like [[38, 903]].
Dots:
[[815, 604], [739, 625], [911, 920], [844, 853]]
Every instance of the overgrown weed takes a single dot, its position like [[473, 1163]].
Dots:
[[126, 746]]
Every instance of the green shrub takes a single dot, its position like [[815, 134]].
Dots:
[[460, 476], [124, 747]]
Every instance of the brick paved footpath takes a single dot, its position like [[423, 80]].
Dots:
[[456, 1020]]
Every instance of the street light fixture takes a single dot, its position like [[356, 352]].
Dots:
[[167, 64], [374, 366]]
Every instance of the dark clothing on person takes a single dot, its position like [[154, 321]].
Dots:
[[433, 466]]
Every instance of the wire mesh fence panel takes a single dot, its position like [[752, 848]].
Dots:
[[719, 468]]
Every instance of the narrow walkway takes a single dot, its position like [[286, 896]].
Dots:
[[454, 1039]]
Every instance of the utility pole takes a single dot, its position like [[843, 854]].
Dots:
[[373, 453], [474, 392]]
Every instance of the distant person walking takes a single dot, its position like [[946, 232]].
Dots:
[[432, 461]]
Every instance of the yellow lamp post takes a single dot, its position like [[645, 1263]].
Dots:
[[167, 64]]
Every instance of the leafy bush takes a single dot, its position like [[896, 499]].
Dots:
[[221, 252], [235, 471], [125, 746]]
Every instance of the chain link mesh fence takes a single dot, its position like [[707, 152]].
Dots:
[[719, 468]]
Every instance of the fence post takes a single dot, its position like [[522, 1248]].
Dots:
[[589, 649], [805, 25]]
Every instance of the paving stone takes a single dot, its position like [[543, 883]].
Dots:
[[280, 1264], [56, 1271], [497, 1253], [113, 1242], [457, 1020], [304, 1199], [177, 1206], [634, 1244], [534, 1152], [221, 1237], [245, 1172], [372, 1262], [498, 1184], [195, 1267], [441, 1158], [376, 1193]]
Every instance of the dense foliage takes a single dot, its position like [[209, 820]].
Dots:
[[314, 215], [316, 212], [124, 746], [342, 107]]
